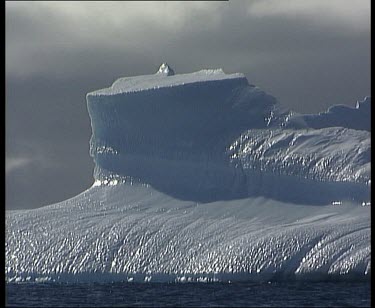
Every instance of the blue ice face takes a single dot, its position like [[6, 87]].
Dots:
[[175, 138]]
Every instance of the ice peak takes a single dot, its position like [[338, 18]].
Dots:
[[165, 69], [365, 102]]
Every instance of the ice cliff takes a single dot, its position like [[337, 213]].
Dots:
[[209, 136], [204, 177]]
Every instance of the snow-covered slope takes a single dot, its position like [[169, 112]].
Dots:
[[305, 166], [136, 233], [201, 177]]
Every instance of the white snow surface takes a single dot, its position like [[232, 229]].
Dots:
[[163, 79], [199, 177], [134, 232]]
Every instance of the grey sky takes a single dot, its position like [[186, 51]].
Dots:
[[308, 54]]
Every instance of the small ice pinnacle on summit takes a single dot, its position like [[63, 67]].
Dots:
[[165, 69]]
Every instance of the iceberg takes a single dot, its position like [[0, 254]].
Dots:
[[205, 177]]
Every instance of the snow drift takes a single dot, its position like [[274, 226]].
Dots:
[[203, 177]]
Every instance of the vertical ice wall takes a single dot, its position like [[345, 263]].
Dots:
[[174, 136], [212, 136]]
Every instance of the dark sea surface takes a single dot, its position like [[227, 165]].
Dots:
[[249, 294]]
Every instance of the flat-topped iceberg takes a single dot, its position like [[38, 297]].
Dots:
[[204, 177]]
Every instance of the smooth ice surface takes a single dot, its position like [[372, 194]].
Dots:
[[204, 177]]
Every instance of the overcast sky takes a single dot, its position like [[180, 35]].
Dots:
[[309, 54]]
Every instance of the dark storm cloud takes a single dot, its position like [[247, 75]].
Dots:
[[57, 52]]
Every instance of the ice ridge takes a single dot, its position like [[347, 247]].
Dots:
[[358, 118]]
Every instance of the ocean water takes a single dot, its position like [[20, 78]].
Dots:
[[244, 294]]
